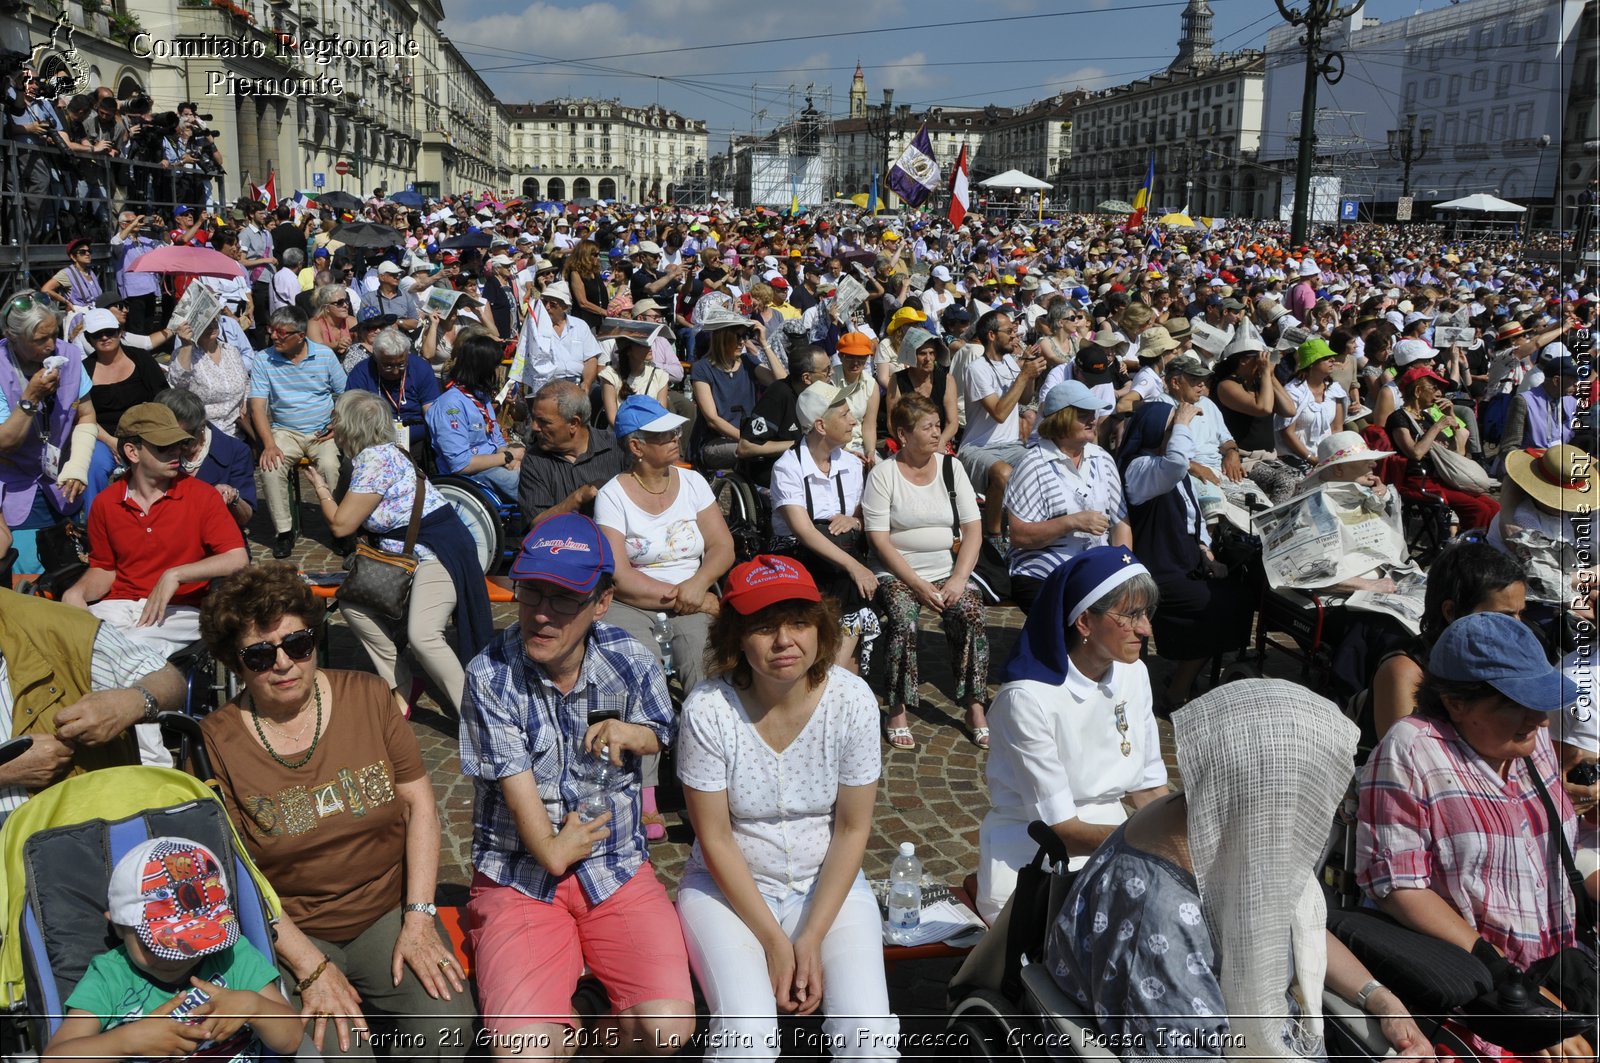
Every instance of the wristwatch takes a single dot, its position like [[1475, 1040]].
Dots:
[[151, 706], [506, 458], [429, 910], [28, 406], [1366, 991]]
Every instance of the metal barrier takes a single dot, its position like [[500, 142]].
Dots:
[[51, 195]]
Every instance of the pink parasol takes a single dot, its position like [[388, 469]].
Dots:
[[200, 261]]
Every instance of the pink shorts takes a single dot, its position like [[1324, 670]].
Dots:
[[529, 955]]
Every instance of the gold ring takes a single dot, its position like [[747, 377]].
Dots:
[[444, 965]]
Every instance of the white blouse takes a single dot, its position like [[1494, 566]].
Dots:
[[781, 804]]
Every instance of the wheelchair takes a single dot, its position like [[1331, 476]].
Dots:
[[495, 522], [747, 509]]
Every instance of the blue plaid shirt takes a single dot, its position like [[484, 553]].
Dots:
[[514, 719]]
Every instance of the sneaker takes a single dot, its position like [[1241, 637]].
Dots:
[[283, 545]]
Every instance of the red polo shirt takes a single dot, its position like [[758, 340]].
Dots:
[[189, 523]]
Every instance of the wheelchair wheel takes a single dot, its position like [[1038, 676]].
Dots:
[[1240, 670], [479, 513], [981, 1027], [742, 512]]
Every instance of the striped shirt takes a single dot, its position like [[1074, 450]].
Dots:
[[1435, 816], [1045, 485], [300, 395], [117, 662], [514, 719]]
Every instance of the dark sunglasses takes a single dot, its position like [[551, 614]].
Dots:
[[341, 302], [297, 646], [110, 333]]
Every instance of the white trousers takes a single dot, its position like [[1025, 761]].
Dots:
[[731, 967], [180, 627]]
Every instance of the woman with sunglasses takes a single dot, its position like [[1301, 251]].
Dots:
[[325, 783], [920, 354], [1072, 729], [73, 286], [121, 376], [331, 317]]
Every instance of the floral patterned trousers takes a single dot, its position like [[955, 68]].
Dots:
[[964, 632]]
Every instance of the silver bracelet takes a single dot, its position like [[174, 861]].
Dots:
[[1366, 991]]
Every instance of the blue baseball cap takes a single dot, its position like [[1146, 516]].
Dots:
[[567, 550], [1076, 394], [1502, 651], [642, 413]]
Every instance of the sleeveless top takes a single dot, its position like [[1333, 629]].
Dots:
[[941, 380]]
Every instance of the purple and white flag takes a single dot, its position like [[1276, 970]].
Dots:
[[915, 175]]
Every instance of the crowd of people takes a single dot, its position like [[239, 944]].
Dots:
[[1068, 417]]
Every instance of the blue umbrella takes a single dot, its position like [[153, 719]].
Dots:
[[408, 198]]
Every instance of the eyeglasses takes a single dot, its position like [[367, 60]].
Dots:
[[1130, 620], [555, 603], [297, 646], [104, 334], [83, 251], [283, 333]]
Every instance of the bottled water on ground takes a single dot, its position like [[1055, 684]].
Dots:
[[905, 894]]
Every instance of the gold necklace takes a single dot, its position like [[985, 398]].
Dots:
[[280, 730], [640, 481]]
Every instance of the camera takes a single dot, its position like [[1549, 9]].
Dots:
[[1585, 774]]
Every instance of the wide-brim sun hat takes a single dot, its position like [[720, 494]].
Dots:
[[1342, 448], [1559, 478]]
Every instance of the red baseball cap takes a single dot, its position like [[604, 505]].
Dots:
[[1420, 372], [768, 579]]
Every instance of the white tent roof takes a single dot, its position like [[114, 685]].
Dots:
[[1015, 179], [1481, 201]]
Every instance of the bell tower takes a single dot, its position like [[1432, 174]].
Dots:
[[1194, 44], [858, 94]]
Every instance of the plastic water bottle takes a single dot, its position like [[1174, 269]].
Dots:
[[603, 776], [663, 631], [905, 894]]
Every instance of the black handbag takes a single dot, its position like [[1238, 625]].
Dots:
[[852, 542], [380, 580], [992, 573]]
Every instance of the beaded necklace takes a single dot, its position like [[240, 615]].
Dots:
[[316, 735]]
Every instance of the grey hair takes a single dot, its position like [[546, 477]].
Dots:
[[324, 294], [22, 324], [363, 421], [390, 342], [1057, 311], [185, 406], [292, 258], [288, 317], [1138, 592], [571, 400]]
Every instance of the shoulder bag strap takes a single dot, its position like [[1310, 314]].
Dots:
[[949, 473], [1585, 914], [416, 513]]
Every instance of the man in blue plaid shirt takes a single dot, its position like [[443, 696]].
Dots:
[[545, 702]]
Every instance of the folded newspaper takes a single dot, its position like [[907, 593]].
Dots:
[[1550, 563], [943, 917], [198, 308], [1338, 532]]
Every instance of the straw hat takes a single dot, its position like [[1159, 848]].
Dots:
[[1560, 478]]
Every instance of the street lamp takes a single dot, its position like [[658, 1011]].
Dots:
[[1407, 147], [880, 123], [1317, 17]]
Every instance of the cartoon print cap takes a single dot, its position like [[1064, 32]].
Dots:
[[174, 894]]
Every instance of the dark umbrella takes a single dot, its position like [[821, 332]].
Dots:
[[368, 234], [339, 201], [477, 239], [408, 198]]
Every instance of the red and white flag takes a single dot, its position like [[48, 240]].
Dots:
[[267, 193], [959, 197]]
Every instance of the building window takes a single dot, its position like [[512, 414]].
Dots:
[[1430, 90], [1530, 70], [1480, 80]]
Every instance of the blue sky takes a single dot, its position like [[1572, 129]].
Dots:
[[1004, 52]]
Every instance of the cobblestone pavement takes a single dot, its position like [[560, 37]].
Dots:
[[934, 796]]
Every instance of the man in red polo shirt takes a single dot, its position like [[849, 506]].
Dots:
[[157, 538]]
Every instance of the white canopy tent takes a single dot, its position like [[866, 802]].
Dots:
[[1016, 179], [1481, 201]]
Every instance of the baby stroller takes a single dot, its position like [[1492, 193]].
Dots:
[[58, 851]]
